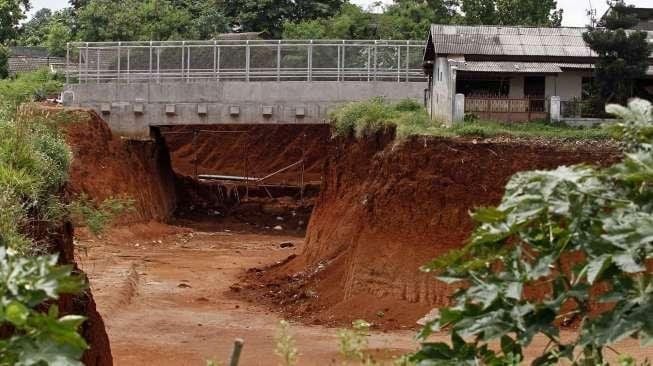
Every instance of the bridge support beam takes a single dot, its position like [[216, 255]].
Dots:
[[137, 106]]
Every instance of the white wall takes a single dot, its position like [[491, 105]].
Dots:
[[442, 92], [567, 85]]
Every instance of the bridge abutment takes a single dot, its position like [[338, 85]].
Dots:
[[131, 109]]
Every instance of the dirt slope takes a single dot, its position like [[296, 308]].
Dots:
[[105, 165], [263, 149], [386, 209]]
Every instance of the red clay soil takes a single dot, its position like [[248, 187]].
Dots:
[[93, 329], [386, 209], [107, 166], [263, 149]]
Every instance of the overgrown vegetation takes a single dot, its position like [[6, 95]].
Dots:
[[27, 87], [98, 217], [410, 119], [581, 238], [34, 163]]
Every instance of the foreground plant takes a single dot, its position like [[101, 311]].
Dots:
[[565, 247], [34, 163], [286, 348]]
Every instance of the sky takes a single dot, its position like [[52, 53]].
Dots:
[[575, 10]]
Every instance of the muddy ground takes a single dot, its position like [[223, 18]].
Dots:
[[166, 293]]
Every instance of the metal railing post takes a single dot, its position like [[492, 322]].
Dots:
[[369, 62], [86, 60], [398, 63], [375, 59], [158, 65], [149, 76], [118, 71], [247, 60], [407, 59], [279, 61], [188, 71], [215, 60], [97, 74], [338, 71], [218, 63], [67, 62], [183, 59], [128, 65], [310, 62], [344, 64]]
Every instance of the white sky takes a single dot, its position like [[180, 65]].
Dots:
[[575, 10]]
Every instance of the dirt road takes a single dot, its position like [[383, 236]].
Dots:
[[166, 294]]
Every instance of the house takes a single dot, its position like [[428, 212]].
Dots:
[[505, 73]]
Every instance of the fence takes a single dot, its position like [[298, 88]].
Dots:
[[253, 60], [576, 108], [507, 109]]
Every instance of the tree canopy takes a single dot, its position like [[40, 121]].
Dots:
[[512, 12], [622, 55], [12, 12], [128, 20]]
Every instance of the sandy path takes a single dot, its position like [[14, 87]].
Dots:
[[164, 293]]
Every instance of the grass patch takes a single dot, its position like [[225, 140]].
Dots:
[[98, 217], [411, 119], [26, 87]]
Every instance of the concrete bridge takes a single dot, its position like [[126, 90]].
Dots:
[[137, 85]]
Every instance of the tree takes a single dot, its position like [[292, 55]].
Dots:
[[622, 55], [352, 22], [269, 16], [512, 12], [409, 19], [566, 246], [57, 38], [33, 32], [129, 20], [11, 13]]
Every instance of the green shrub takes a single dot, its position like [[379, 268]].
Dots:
[[97, 218], [601, 217], [369, 117], [410, 119], [25, 87], [34, 163]]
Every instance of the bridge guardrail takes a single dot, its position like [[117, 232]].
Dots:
[[252, 60]]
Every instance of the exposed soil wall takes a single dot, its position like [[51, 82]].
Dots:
[[105, 165], [386, 209], [261, 150], [93, 330]]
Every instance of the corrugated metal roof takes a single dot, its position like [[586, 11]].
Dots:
[[510, 41], [576, 66], [510, 67]]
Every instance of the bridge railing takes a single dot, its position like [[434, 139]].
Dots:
[[253, 60]]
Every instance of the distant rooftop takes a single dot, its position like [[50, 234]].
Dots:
[[509, 41], [563, 42]]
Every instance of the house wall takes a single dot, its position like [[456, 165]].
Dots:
[[567, 85], [443, 89]]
